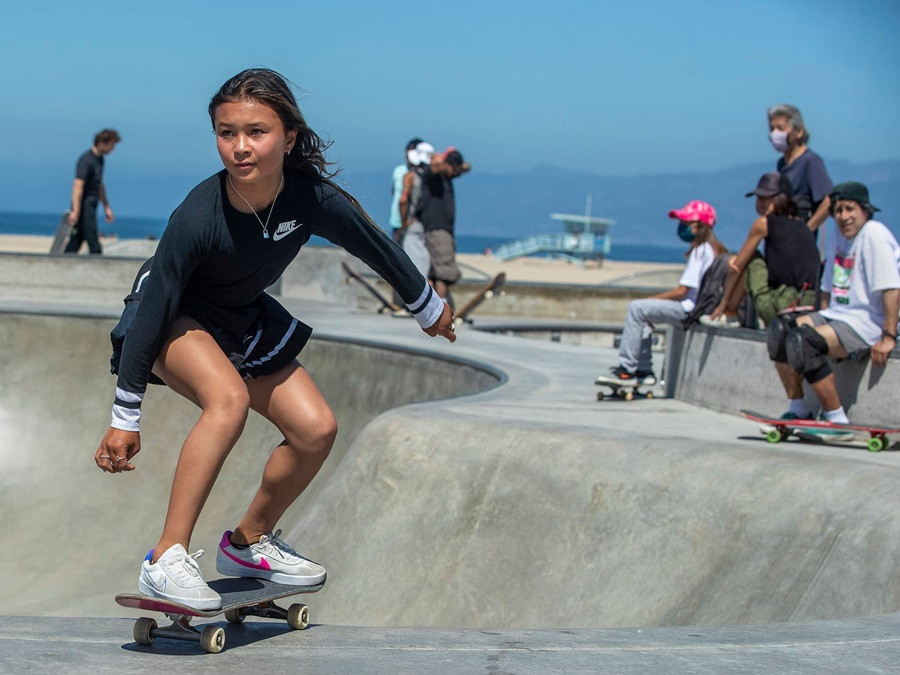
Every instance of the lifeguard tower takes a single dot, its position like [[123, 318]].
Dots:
[[584, 238]]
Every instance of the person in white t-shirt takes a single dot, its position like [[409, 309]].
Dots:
[[861, 297], [696, 220]]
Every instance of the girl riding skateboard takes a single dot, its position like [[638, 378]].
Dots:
[[198, 320]]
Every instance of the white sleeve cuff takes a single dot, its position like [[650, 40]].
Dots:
[[126, 411], [428, 308]]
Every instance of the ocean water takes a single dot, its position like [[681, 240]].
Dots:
[[142, 228]]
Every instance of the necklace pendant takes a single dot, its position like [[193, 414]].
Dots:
[[265, 234]]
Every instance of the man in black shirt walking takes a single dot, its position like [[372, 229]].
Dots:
[[437, 212], [87, 191]]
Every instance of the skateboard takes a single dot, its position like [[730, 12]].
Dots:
[[62, 234], [241, 597], [353, 276], [781, 429], [486, 293], [626, 390]]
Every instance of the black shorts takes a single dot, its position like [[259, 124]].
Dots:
[[273, 340]]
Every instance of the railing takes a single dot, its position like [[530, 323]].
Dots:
[[580, 246]]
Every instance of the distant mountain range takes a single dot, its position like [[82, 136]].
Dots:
[[516, 205]]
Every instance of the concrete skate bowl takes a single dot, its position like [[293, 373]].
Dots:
[[443, 513], [55, 394]]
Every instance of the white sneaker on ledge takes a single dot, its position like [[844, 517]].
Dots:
[[723, 321]]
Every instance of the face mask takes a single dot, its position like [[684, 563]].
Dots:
[[684, 232], [779, 139]]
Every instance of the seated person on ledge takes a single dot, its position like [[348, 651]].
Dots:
[[861, 288], [695, 222], [786, 275]]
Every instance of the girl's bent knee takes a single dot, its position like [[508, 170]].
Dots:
[[317, 440], [230, 402]]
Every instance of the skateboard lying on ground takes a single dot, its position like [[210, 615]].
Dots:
[[782, 429], [352, 276], [626, 390], [241, 597], [62, 234], [486, 293]]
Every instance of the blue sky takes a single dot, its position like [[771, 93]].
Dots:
[[616, 88]]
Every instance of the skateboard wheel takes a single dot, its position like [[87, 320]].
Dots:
[[629, 395], [143, 630], [600, 396], [298, 616], [212, 639], [488, 295], [649, 394], [234, 616], [876, 444], [773, 436]]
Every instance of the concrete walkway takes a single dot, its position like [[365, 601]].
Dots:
[[102, 646]]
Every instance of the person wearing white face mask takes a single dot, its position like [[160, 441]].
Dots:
[[804, 168]]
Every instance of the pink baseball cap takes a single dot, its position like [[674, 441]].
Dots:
[[695, 210]]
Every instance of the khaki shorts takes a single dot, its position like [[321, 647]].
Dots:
[[442, 249]]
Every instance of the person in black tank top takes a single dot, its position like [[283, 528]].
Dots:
[[787, 273], [198, 320]]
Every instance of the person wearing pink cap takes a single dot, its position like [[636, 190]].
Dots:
[[696, 220]]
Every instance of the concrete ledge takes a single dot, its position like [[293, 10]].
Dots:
[[727, 370]]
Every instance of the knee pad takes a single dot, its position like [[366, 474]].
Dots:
[[807, 353], [776, 332]]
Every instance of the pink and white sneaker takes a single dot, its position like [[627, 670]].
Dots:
[[271, 558]]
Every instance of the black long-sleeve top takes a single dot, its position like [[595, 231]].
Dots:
[[215, 257]]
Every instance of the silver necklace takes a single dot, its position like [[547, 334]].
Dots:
[[264, 226]]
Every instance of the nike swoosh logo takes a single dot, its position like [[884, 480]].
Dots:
[[279, 235]]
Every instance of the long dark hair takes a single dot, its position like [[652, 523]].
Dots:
[[705, 235], [784, 205], [271, 89]]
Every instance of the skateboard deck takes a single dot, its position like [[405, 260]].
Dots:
[[62, 235], [486, 293], [876, 436], [241, 597], [619, 389], [353, 276]]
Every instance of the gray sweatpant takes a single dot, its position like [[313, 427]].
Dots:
[[634, 350]]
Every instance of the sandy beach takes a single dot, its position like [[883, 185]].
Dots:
[[533, 270]]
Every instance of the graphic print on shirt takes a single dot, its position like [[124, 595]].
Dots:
[[840, 285], [285, 228]]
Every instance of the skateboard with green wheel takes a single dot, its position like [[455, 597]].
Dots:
[[778, 429], [241, 597]]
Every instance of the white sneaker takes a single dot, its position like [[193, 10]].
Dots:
[[723, 321], [176, 576], [271, 558]]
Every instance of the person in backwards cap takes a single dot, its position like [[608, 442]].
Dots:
[[400, 171], [861, 288], [696, 220], [437, 212], [413, 230], [786, 275], [398, 230]]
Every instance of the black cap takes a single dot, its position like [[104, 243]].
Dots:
[[454, 158], [853, 191], [771, 184], [413, 143]]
